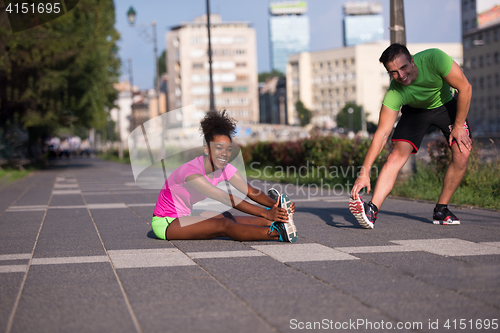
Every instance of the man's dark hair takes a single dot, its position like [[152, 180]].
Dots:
[[217, 123], [392, 52]]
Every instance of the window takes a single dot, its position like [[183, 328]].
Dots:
[[241, 64], [240, 52], [489, 81], [241, 89], [466, 25], [495, 35], [481, 82], [197, 65], [467, 63], [497, 58], [488, 59], [241, 77], [227, 89], [488, 37], [481, 62], [497, 80]]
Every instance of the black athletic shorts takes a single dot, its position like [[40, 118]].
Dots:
[[414, 123]]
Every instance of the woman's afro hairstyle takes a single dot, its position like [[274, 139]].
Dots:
[[217, 123]]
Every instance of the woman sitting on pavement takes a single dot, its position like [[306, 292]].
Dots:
[[197, 179]]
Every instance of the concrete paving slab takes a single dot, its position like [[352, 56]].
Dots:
[[302, 252], [68, 233], [186, 299], [224, 254], [101, 199], [10, 288], [122, 229], [69, 199], [149, 258], [19, 231], [71, 298], [450, 247]]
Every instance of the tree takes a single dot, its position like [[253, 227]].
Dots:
[[343, 118], [305, 114], [61, 73], [264, 76], [162, 63]]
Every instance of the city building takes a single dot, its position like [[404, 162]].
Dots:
[[326, 80], [288, 31], [135, 107], [234, 64], [481, 49], [272, 101], [363, 23]]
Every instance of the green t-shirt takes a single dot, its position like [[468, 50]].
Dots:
[[429, 90]]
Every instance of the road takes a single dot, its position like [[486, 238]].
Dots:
[[77, 254]]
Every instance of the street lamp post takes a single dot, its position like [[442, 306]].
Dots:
[[350, 111], [131, 19], [212, 103]]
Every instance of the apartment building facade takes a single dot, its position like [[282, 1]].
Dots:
[[481, 48], [326, 80], [234, 64]]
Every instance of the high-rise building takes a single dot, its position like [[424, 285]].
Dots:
[[288, 31], [481, 48], [234, 66], [363, 23], [326, 80]]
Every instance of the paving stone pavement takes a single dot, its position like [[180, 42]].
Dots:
[[77, 254]]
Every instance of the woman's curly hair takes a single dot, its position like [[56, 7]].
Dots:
[[217, 123]]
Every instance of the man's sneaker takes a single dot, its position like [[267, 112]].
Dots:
[[365, 213], [285, 202], [445, 217]]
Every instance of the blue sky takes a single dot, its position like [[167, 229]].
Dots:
[[427, 21]]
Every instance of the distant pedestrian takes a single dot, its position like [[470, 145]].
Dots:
[[420, 87], [197, 179]]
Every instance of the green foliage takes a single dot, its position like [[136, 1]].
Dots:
[[162, 63], [264, 76], [332, 159], [343, 118], [60, 73], [10, 175], [304, 113]]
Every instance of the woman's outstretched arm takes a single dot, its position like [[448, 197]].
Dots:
[[204, 187]]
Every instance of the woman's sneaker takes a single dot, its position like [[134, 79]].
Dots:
[[445, 217], [365, 213], [285, 202], [282, 232]]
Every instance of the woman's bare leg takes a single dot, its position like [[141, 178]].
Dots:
[[253, 220], [193, 227]]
